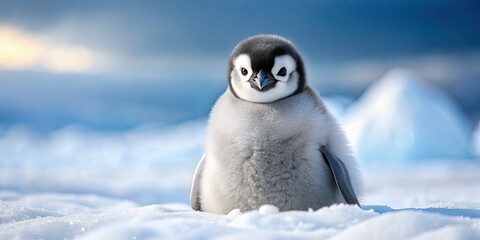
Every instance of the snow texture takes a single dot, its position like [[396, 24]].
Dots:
[[402, 118], [39, 216]]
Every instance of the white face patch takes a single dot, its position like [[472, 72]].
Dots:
[[283, 61], [285, 86], [243, 61], [281, 89]]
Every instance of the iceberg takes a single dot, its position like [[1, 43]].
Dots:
[[401, 118], [476, 141]]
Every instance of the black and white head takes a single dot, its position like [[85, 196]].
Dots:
[[265, 68]]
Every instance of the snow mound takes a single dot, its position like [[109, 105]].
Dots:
[[147, 165], [125, 221], [405, 224], [401, 118]]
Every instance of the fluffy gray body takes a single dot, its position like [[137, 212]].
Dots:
[[267, 137], [275, 160]]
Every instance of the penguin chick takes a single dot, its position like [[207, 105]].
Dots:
[[271, 140]]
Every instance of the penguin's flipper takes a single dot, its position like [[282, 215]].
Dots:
[[195, 191], [340, 173]]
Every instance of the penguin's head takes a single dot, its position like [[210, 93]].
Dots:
[[264, 69]]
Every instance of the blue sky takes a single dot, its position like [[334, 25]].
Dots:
[[117, 64]]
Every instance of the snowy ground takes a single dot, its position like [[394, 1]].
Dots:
[[135, 185], [440, 205], [90, 217]]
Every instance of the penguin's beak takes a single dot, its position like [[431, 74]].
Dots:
[[261, 79]]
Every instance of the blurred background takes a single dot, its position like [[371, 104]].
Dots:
[[111, 97]]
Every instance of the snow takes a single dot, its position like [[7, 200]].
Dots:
[[144, 164], [124, 220], [402, 118], [134, 184]]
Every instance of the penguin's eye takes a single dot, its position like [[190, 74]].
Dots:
[[283, 66], [244, 71]]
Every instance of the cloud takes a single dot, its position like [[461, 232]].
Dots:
[[69, 59], [17, 50], [159, 39], [50, 51], [22, 51]]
